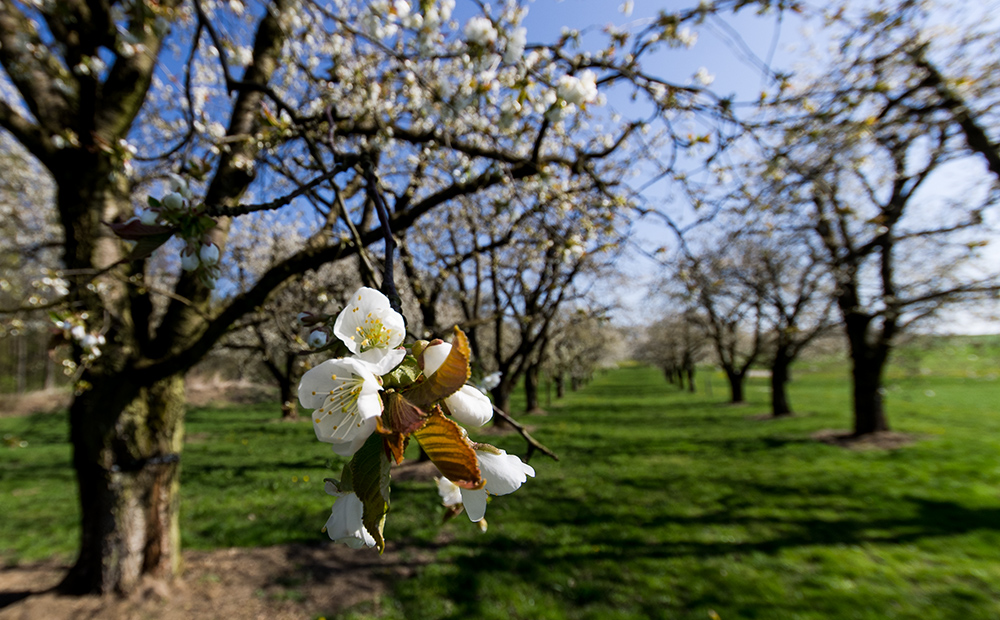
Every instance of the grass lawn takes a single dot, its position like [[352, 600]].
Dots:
[[664, 504]]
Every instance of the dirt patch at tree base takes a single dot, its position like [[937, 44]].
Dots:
[[882, 440], [271, 583]]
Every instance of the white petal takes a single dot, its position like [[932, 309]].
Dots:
[[347, 449], [347, 426], [450, 492], [315, 384], [434, 356], [345, 525], [475, 503], [381, 361], [504, 473], [469, 406]]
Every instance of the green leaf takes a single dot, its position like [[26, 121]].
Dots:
[[446, 445], [404, 375], [153, 202], [370, 478], [448, 379]]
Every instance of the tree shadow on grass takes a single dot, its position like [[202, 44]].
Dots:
[[601, 557]]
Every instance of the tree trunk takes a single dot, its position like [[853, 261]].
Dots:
[[126, 453], [501, 400], [735, 387], [779, 385], [287, 388], [867, 365], [531, 389], [560, 380], [690, 376], [869, 412], [21, 374]]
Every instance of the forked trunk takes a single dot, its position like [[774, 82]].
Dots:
[[127, 444]]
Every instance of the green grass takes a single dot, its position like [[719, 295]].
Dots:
[[664, 505]]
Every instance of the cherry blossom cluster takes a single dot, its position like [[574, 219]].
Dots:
[[175, 214], [74, 329], [369, 404]]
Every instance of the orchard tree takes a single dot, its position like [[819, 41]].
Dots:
[[352, 119], [860, 170], [729, 307]]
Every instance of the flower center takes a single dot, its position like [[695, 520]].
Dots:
[[344, 396], [373, 334]]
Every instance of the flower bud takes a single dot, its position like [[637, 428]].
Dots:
[[209, 254], [149, 217], [189, 260], [317, 338], [179, 185], [173, 202]]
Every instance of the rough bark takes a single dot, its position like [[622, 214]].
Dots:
[[126, 453]]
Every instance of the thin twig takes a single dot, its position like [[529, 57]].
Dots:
[[533, 444]]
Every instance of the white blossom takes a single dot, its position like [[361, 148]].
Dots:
[[516, 42], [480, 30], [344, 393], [372, 330], [345, 524], [504, 473], [578, 90]]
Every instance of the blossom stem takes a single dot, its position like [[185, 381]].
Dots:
[[388, 283]]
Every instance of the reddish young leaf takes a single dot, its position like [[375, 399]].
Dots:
[[449, 450], [399, 418], [148, 237], [400, 415], [448, 379]]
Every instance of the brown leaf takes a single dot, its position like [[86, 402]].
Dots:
[[399, 418], [448, 379], [400, 415], [449, 450]]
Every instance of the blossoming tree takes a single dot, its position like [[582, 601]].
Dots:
[[353, 119]]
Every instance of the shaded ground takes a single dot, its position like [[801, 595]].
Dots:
[[882, 440], [272, 583]]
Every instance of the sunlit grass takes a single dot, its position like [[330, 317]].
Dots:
[[663, 505]]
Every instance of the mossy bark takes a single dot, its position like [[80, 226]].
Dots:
[[126, 452]]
